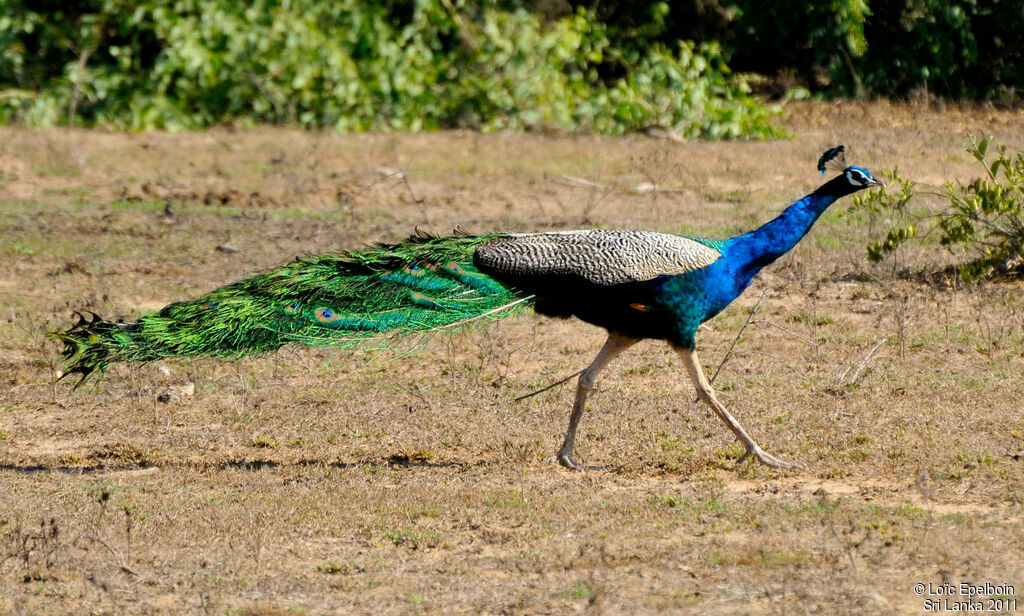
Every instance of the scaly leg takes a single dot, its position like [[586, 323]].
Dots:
[[613, 347], [707, 394]]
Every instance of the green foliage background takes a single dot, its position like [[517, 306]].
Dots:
[[358, 65], [610, 66], [961, 49]]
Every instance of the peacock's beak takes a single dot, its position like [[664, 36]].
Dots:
[[876, 182]]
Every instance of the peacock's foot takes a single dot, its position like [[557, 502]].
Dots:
[[566, 459], [768, 459]]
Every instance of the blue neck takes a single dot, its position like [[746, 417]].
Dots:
[[698, 297], [750, 252]]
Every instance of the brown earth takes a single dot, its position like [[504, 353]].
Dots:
[[331, 482]]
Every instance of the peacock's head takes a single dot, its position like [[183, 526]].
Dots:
[[853, 178], [859, 177]]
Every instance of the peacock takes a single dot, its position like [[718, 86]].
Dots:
[[634, 284]]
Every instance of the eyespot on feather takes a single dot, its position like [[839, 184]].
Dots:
[[326, 315]]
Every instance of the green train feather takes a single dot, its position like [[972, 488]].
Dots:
[[422, 284]]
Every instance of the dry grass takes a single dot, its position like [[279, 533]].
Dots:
[[311, 482]]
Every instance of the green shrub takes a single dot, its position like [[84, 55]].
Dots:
[[985, 217], [952, 48], [357, 65]]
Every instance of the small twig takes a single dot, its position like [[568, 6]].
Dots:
[[551, 386], [420, 201], [651, 187], [405, 179], [788, 331], [347, 199], [568, 180], [839, 385], [113, 552], [736, 340], [407, 390]]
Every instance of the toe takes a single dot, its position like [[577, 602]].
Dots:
[[568, 461]]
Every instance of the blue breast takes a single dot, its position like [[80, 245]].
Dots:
[[695, 297]]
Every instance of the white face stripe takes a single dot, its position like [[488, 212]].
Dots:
[[855, 177]]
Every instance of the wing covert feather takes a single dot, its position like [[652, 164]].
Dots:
[[603, 257]]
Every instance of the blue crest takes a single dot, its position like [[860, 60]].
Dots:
[[833, 157]]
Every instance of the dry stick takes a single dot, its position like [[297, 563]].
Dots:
[[420, 201], [551, 386], [407, 390], [788, 331], [349, 198], [736, 340], [860, 367], [568, 180]]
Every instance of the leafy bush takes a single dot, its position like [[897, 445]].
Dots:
[[958, 48], [985, 216], [356, 65], [953, 48]]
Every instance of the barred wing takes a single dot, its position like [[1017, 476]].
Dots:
[[601, 257]]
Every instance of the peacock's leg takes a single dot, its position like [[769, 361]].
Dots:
[[613, 347], [707, 394]]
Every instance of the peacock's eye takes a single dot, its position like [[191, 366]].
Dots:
[[327, 314]]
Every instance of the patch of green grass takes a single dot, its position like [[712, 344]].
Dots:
[[412, 538], [783, 558], [509, 500], [58, 169], [67, 191], [415, 598], [973, 460], [331, 568], [429, 511], [264, 442], [133, 204], [22, 247], [674, 443], [581, 591], [809, 318], [667, 500]]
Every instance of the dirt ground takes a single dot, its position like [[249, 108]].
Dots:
[[409, 481]]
